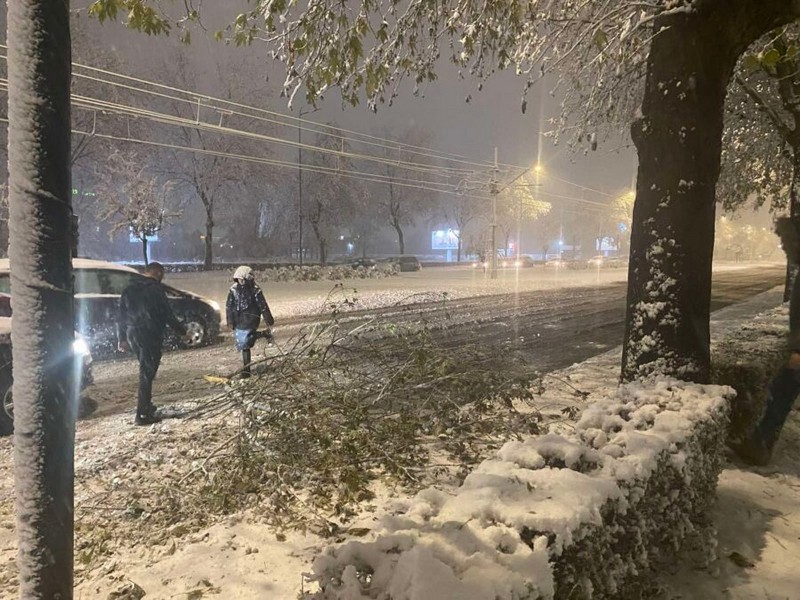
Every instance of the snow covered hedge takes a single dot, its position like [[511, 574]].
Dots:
[[580, 515], [329, 273], [746, 359]]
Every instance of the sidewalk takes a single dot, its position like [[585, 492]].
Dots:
[[757, 518]]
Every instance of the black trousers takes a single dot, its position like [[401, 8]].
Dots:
[[147, 349]]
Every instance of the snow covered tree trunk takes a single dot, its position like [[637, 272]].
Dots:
[[45, 386], [678, 138]]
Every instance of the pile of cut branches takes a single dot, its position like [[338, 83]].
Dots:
[[325, 415]]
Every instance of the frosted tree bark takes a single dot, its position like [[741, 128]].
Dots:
[[45, 386], [679, 138]]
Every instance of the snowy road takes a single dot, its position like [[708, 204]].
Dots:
[[548, 320]]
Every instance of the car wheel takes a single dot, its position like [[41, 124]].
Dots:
[[7, 405], [196, 332]]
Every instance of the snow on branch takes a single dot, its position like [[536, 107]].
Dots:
[[597, 49]]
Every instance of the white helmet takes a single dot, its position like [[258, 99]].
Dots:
[[244, 273]]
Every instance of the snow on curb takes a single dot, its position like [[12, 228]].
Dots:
[[577, 515]]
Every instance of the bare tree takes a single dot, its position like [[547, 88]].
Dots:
[[517, 206], [402, 204], [367, 213], [622, 218], [460, 212], [331, 196], [134, 200]]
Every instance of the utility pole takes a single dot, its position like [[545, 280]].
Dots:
[[300, 187], [494, 189], [300, 181]]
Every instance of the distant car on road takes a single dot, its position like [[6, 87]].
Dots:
[[608, 262], [406, 263], [520, 262], [596, 261], [98, 287], [555, 262], [80, 354], [367, 263]]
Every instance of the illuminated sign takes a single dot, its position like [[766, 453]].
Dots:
[[444, 239]]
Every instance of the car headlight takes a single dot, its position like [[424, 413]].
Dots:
[[214, 305], [80, 347]]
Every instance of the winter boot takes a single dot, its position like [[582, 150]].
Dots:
[[147, 419]]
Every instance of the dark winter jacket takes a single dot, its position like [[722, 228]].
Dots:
[[245, 307], [144, 307]]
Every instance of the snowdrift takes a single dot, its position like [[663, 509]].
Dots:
[[581, 515]]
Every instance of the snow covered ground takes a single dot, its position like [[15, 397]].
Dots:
[[302, 297], [241, 557]]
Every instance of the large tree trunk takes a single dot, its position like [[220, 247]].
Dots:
[[679, 141], [45, 386]]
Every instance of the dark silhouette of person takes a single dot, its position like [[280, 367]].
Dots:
[[144, 315]]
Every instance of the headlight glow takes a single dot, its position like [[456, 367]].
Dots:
[[80, 347]]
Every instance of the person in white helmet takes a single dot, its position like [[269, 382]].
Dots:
[[244, 308]]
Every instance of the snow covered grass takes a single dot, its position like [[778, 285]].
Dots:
[[581, 514]]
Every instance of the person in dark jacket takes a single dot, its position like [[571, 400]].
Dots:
[[144, 314], [244, 308], [785, 385]]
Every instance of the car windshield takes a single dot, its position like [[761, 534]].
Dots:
[[102, 281]]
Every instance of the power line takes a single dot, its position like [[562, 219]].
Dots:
[[195, 102], [386, 143], [125, 110]]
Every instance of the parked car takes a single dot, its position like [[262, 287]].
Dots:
[[98, 287], [406, 263], [81, 356]]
